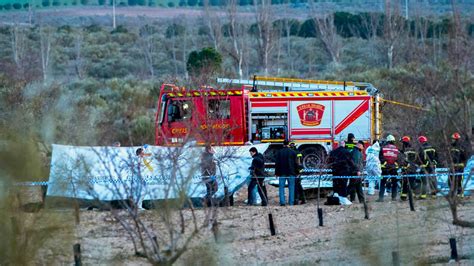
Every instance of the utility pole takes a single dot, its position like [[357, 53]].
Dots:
[[113, 14]]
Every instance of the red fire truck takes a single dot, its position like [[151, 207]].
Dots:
[[315, 114]]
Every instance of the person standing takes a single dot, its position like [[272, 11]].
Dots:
[[355, 184], [350, 143], [459, 158], [299, 191], [429, 160], [208, 172], [341, 164], [285, 170], [409, 167], [372, 165], [257, 177], [389, 157]]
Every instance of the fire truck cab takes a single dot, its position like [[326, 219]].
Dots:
[[315, 114]]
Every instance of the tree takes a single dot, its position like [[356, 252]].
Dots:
[[265, 34], [204, 63], [236, 33], [192, 2], [328, 34]]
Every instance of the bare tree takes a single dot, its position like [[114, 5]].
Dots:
[[265, 33], [78, 58], [148, 45], [236, 32], [18, 41], [328, 34], [213, 24], [394, 26], [46, 36]]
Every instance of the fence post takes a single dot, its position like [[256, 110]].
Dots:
[[77, 255], [272, 225]]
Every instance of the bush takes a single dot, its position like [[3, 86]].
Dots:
[[84, 2], [175, 30], [182, 3], [101, 2], [207, 60], [17, 6], [56, 3], [171, 4], [120, 29], [7, 6]]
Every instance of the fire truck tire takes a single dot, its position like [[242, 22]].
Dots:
[[313, 157]]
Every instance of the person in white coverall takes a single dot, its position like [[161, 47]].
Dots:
[[372, 164]]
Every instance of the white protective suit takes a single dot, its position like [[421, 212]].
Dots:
[[372, 165]]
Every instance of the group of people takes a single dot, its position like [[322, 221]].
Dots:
[[388, 161], [288, 167], [349, 162]]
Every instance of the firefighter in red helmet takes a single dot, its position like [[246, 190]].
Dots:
[[389, 157], [409, 167], [429, 160], [458, 157]]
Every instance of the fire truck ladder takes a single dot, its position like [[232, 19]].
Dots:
[[291, 84]]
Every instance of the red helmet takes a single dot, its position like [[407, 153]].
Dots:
[[406, 139], [422, 139], [456, 135]]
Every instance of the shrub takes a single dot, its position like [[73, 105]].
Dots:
[[17, 6], [171, 4], [7, 6], [56, 3]]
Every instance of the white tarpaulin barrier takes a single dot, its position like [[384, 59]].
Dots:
[[116, 173]]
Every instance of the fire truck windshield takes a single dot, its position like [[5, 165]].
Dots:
[[179, 110]]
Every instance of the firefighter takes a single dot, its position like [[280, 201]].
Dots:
[[459, 158], [429, 160], [409, 167], [350, 144], [299, 192], [389, 157]]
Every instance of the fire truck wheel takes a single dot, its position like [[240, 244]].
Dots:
[[313, 157]]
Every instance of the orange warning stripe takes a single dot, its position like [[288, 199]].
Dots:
[[307, 94]]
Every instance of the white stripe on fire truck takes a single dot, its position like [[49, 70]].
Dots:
[[356, 113]]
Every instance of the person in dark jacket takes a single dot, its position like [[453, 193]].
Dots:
[[355, 184], [257, 173], [208, 173], [409, 165], [459, 158], [429, 160], [341, 164], [285, 169], [350, 143], [299, 191]]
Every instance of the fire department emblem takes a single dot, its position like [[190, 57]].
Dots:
[[310, 113]]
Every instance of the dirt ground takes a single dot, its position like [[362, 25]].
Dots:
[[420, 237]]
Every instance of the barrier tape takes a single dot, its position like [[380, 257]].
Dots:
[[156, 180]]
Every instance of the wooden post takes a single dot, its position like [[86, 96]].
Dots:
[[272, 225], [77, 255], [454, 249]]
